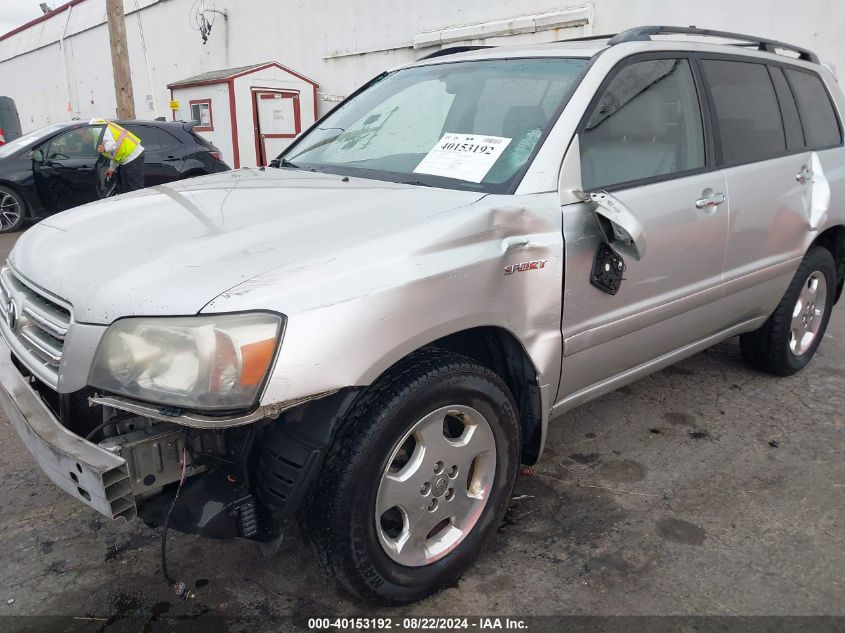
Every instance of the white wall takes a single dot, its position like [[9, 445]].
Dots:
[[221, 136], [320, 38]]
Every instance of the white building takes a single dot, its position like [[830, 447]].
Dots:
[[59, 66]]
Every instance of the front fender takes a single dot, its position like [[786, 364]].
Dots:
[[353, 314]]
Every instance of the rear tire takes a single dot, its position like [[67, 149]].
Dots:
[[12, 210], [418, 479], [790, 337]]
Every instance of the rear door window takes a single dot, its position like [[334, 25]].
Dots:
[[821, 127], [153, 138], [646, 124], [747, 111]]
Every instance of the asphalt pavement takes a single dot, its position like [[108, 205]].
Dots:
[[704, 489]]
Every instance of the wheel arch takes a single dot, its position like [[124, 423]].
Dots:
[[500, 351], [833, 239], [28, 208], [296, 443]]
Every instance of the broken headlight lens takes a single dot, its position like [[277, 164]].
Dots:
[[205, 363]]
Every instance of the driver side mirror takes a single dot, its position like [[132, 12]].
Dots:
[[620, 226], [37, 155]]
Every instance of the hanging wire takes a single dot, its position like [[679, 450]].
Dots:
[[198, 20], [178, 586]]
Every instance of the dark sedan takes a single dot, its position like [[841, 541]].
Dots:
[[58, 167]]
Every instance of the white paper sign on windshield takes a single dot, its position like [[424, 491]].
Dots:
[[463, 156]]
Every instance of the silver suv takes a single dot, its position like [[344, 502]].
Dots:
[[368, 337]]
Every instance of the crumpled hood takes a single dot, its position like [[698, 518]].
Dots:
[[171, 249]]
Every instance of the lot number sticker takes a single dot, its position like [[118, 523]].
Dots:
[[463, 156]]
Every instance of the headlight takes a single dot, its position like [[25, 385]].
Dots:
[[212, 362]]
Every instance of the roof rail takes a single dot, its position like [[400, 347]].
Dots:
[[452, 50], [587, 38], [644, 33]]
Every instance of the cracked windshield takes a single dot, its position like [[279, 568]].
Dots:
[[461, 125]]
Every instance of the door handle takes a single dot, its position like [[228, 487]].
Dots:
[[172, 158], [804, 176], [713, 200]]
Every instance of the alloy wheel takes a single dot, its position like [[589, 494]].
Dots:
[[436, 485], [10, 211], [808, 313]]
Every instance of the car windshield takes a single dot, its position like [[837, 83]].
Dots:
[[30, 138], [460, 125]]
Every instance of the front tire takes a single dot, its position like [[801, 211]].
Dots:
[[418, 480], [12, 210], [790, 337]]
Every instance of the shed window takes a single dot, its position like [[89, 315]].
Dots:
[[201, 115]]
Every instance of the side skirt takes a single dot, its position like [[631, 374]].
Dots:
[[635, 373]]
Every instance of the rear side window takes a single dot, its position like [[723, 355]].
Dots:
[[646, 124], [153, 138], [749, 120], [821, 127], [204, 142], [788, 110]]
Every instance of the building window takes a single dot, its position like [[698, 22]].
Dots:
[[201, 115]]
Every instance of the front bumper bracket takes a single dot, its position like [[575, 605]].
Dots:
[[94, 475]]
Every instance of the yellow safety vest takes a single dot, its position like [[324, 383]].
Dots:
[[126, 141]]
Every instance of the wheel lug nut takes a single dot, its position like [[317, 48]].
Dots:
[[450, 494], [438, 468], [453, 472], [424, 489], [432, 505]]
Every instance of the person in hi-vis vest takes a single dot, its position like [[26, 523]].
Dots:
[[125, 152]]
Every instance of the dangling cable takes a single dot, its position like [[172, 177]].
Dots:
[[179, 587]]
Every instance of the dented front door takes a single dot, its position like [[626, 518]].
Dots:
[[641, 160]]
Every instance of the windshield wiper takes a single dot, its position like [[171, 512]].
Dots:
[[283, 162]]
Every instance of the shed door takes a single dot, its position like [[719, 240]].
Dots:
[[277, 122]]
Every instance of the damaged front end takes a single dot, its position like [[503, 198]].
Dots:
[[233, 464], [238, 479]]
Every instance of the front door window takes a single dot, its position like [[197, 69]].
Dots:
[[646, 125]]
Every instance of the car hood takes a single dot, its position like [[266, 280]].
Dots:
[[173, 248]]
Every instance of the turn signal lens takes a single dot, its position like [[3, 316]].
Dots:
[[255, 359]]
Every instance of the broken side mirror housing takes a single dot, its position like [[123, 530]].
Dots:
[[620, 226]]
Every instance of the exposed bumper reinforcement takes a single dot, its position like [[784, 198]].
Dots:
[[84, 470]]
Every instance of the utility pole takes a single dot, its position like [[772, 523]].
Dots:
[[120, 60]]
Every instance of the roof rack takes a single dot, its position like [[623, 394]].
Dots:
[[587, 38], [644, 33], [452, 50]]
